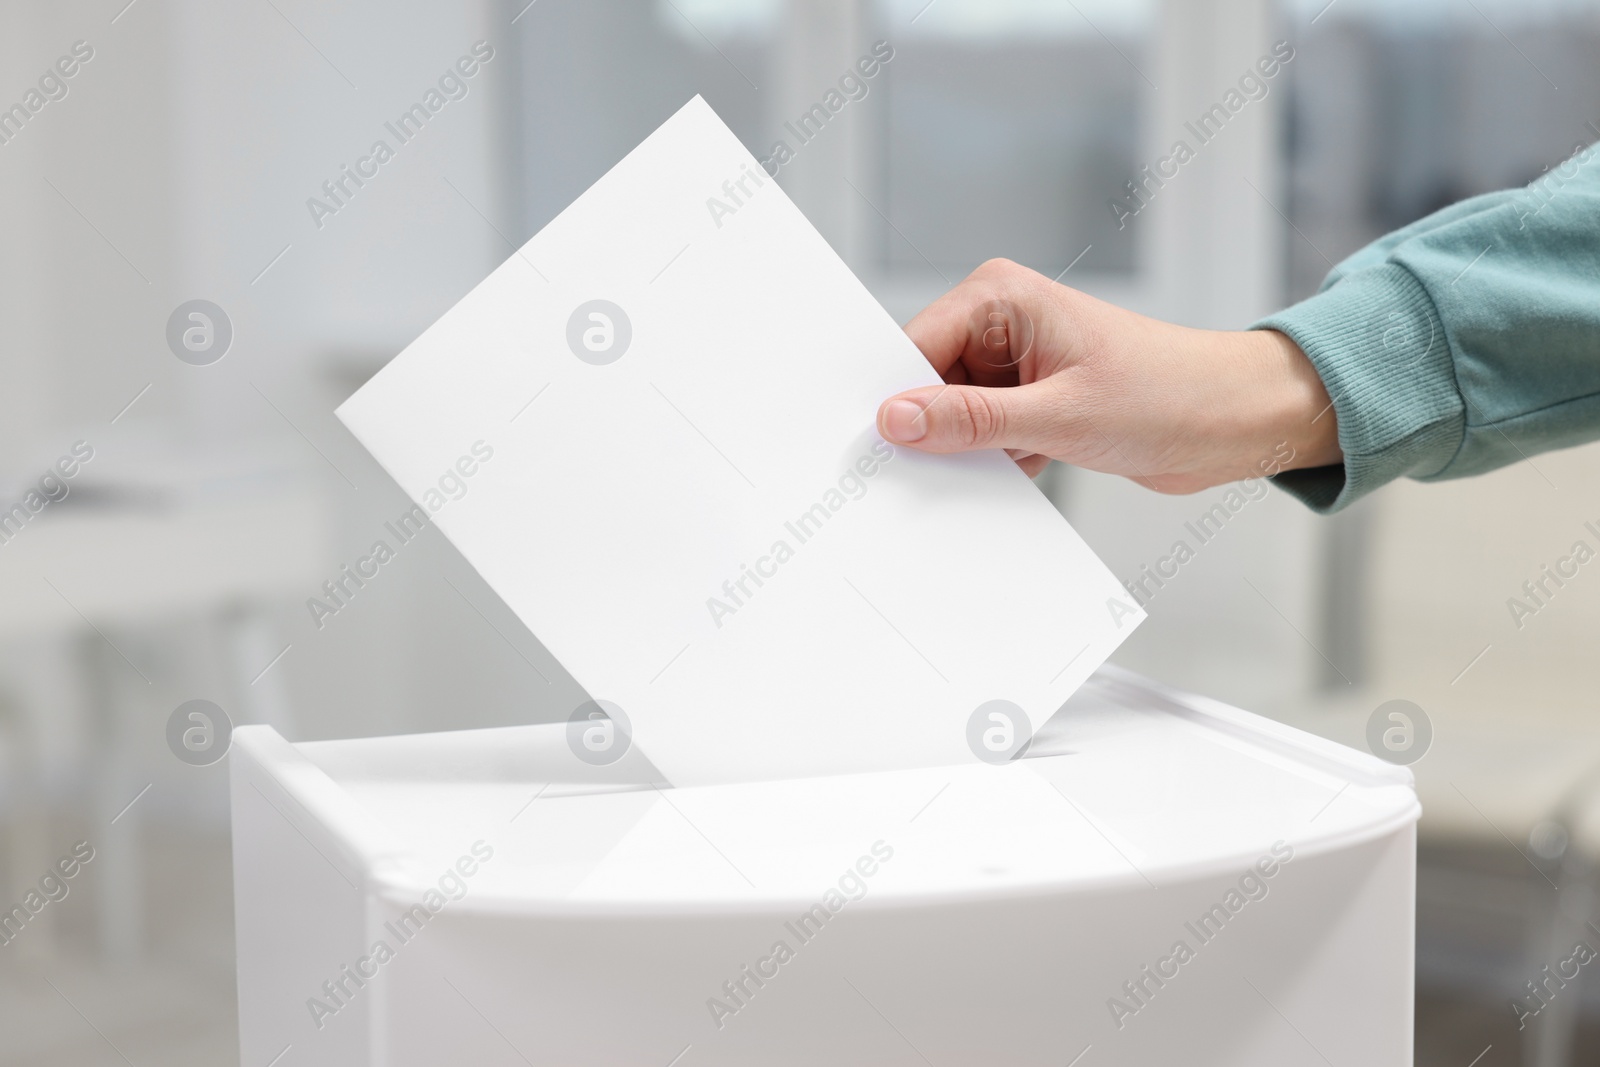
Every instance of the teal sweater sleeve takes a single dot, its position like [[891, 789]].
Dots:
[[1463, 342]]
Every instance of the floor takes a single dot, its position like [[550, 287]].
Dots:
[[60, 1004]]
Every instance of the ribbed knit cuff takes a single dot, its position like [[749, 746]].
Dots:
[[1376, 339]]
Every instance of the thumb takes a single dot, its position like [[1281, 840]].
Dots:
[[960, 418]]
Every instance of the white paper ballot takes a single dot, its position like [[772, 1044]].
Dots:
[[652, 431]]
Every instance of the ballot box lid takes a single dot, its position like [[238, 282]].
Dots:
[[1131, 785]]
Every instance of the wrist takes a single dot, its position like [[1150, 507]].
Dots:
[[1294, 407]]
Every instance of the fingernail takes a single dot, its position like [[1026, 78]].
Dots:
[[904, 421]]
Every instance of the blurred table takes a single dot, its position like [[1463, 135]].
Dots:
[[147, 535]]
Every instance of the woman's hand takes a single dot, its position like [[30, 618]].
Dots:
[[1046, 372]]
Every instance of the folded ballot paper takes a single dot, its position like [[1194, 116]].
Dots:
[[666, 401]]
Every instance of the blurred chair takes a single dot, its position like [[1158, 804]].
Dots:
[[144, 539]]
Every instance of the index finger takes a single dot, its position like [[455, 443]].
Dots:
[[952, 334], [941, 329]]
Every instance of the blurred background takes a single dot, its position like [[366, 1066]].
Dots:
[[176, 164]]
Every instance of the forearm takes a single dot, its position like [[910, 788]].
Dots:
[[1461, 343]]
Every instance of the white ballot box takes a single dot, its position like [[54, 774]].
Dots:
[[1159, 879]]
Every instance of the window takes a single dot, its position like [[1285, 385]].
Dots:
[[1402, 108], [1010, 126]]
